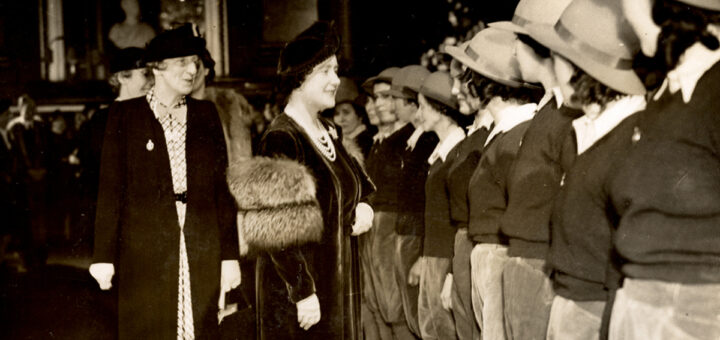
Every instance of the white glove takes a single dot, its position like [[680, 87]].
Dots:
[[103, 274], [308, 310], [446, 293], [229, 279], [364, 216]]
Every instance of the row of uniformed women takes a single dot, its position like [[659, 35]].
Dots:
[[582, 201]]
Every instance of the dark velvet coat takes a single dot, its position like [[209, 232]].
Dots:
[[329, 268], [136, 226]]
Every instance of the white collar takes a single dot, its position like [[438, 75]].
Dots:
[[695, 62], [589, 131], [512, 117], [483, 120], [454, 136], [412, 141]]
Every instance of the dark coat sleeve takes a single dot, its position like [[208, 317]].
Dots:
[[226, 208], [111, 191], [289, 262]]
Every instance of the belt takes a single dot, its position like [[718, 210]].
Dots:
[[182, 197]]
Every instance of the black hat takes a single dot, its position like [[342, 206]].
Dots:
[[308, 49], [127, 59], [180, 42]]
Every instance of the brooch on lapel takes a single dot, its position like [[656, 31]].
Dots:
[[637, 135], [333, 133], [150, 146]]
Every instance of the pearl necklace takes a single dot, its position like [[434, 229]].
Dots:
[[325, 145]]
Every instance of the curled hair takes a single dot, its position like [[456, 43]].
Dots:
[[114, 80], [286, 84], [455, 115], [681, 26], [590, 91], [487, 88]]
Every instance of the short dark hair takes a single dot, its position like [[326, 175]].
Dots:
[[487, 88], [589, 90], [457, 117], [681, 26], [286, 83]]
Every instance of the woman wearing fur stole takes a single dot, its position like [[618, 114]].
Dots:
[[308, 280]]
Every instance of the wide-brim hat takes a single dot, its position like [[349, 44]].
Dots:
[[596, 37], [533, 12], [179, 42], [347, 91], [314, 45], [713, 5], [407, 82], [491, 52], [386, 76], [438, 86]]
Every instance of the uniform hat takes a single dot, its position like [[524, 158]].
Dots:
[[438, 86], [386, 76], [313, 46], [127, 59], [408, 81], [596, 37], [713, 5], [347, 91], [491, 52], [527, 12], [180, 42]]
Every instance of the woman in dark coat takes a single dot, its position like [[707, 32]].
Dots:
[[307, 282], [161, 242]]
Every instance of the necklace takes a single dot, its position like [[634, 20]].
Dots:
[[325, 145]]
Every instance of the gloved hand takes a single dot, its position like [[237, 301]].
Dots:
[[229, 279], [103, 273], [415, 271], [364, 216], [308, 310], [446, 293]]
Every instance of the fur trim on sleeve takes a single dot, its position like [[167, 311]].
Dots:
[[276, 203]]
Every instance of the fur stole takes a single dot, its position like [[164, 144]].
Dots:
[[276, 203]]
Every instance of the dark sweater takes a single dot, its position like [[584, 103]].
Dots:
[[534, 181], [439, 232], [487, 191], [411, 186], [581, 227], [383, 167], [469, 154], [667, 192]]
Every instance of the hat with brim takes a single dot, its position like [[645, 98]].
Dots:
[[347, 91], [594, 35], [386, 76], [408, 81], [713, 5], [127, 59], [180, 42], [533, 12], [491, 52], [438, 86]]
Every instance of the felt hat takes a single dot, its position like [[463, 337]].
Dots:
[[491, 52], [527, 12], [347, 91], [179, 42], [596, 37], [408, 81], [386, 76], [127, 59], [438, 86], [314, 45], [713, 5]]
